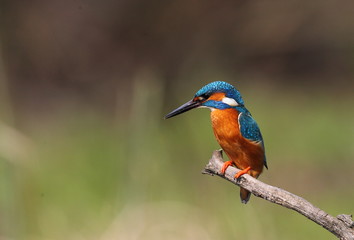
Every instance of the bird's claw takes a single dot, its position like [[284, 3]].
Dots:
[[240, 173], [225, 166]]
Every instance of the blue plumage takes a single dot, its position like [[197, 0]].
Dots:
[[220, 86], [249, 128], [215, 104]]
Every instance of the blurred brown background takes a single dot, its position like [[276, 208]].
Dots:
[[89, 52], [84, 86]]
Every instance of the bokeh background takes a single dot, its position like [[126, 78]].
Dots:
[[86, 154]]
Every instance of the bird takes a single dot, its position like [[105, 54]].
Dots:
[[234, 128]]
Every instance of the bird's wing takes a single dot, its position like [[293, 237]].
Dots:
[[250, 130]]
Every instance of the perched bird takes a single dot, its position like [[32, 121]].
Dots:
[[234, 128]]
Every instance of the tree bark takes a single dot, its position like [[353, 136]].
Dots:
[[341, 226]]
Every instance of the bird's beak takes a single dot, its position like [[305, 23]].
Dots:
[[184, 108]]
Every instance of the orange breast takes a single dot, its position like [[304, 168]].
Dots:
[[241, 151]]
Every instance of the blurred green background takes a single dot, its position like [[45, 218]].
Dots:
[[84, 85]]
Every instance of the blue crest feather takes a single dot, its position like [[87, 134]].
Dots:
[[220, 86]]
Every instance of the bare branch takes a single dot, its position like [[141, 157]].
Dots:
[[341, 226]]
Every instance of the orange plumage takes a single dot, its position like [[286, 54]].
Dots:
[[241, 151]]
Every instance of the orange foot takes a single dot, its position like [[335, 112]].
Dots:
[[240, 173], [225, 166]]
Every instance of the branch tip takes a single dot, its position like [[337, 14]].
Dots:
[[207, 172]]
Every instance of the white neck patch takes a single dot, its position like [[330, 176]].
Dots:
[[230, 101]]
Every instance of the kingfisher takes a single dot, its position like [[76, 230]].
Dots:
[[234, 128]]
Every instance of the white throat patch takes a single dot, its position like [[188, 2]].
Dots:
[[230, 101]]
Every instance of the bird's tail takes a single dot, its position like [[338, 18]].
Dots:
[[244, 195]]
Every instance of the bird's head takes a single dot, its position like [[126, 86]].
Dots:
[[215, 95]]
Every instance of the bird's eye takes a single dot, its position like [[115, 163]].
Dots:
[[204, 97], [201, 98]]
